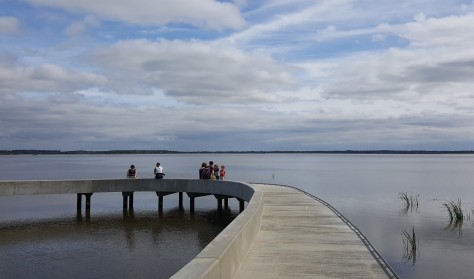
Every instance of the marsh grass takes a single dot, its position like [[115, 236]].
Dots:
[[410, 202], [410, 244], [455, 214]]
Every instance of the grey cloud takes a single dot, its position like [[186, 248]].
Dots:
[[82, 125], [9, 25], [453, 71], [362, 89], [194, 72], [390, 75], [8, 60], [17, 78]]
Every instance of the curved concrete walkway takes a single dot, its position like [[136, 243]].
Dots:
[[300, 237], [283, 232]]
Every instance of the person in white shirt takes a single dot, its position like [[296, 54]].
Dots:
[[159, 171]]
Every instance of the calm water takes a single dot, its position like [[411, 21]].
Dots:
[[42, 235]]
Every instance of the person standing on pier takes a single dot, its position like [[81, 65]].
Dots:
[[222, 172], [158, 171], [132, 172]]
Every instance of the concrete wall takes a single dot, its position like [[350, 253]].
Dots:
[[40, 187], [223, 256], [220, 259]]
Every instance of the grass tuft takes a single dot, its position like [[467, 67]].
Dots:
[[410, 246], [410, 202], [455, 214]]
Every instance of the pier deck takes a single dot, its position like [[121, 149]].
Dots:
[[300, 237]]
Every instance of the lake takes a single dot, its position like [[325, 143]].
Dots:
[[364, 188]]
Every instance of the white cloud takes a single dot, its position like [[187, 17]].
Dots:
[[193, 71], [451, 31], [301, 75], [203, 13], [304, 16], [439, 57]]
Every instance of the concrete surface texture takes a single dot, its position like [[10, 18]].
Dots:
[[282, 233], [301, 238]]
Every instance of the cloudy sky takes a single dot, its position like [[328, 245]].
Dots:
[[192, 75]]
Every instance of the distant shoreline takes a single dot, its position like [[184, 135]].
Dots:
[[85, 152]]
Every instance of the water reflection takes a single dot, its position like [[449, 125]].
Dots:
[[410, 202], [131, 244], [410, 245], [80, 218], [456, 216]]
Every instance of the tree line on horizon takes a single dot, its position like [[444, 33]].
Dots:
[[73, 152]]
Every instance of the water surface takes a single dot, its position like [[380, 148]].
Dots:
[[364, 188]]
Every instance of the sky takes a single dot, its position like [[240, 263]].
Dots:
[[242, 75]]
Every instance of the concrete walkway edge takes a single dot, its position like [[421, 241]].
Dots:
[[302, 236], [383, 264]]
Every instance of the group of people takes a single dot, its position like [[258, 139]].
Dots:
[[158, 172], [211, 171]]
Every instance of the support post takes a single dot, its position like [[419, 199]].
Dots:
[[79, 202], [160, 195], [180, 200], [160, 202], [219, 204], [130, 201], [191, 204], [88, 201], [127, 200], [241, 204]]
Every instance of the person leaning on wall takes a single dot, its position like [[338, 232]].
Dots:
[[132, 172], [201, 169], [158, 171]]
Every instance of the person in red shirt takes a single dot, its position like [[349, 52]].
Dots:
[[222, 172]]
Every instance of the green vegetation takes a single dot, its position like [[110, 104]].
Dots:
[[411, 202], [455, 214], [410, 246]]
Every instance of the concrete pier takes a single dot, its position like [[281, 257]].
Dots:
[[282, 233], [300, 237], [286, 233]]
